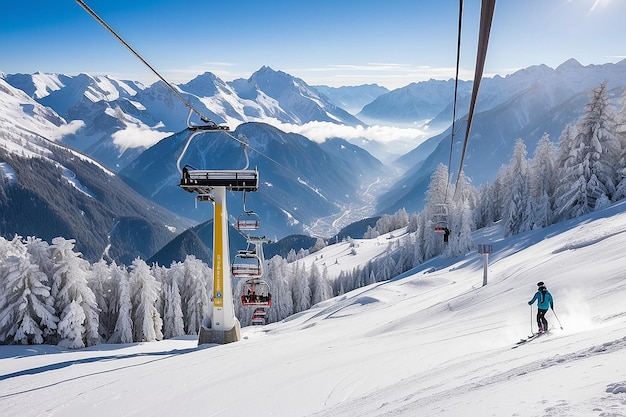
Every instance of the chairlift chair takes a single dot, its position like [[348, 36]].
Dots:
[[258, 317], [246, 264], [256, 292], [440, 218], [248, 220]]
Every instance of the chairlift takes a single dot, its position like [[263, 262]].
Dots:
[[248, 220], [256, 292], [246, 264], [258, 317], [440, 218]]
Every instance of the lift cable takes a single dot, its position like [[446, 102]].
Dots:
[[456, 88], [130, 48], [191, 108], [486, 17]]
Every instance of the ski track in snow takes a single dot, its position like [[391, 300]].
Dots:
[[406, 405]]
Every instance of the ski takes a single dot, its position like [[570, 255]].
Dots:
[[528, 339], [522, 341]]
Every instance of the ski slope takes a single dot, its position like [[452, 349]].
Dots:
[[433, 342]]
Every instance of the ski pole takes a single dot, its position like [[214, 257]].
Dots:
[[557, 319], [531, 320]]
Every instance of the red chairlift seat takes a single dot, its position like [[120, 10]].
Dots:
[[256, 292]]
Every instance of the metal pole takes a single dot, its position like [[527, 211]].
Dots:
[[557, 319], [485, 264], [531, 320]]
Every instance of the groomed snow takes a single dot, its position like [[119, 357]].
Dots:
[[432, 343]]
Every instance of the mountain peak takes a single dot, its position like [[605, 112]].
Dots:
[[568, 65]]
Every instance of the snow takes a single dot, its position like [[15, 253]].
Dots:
[[434, 342], [71, 178], [7, 172]]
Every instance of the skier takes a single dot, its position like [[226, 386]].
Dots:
[[544, 301]]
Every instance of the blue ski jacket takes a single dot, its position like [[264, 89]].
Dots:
[[544, 300]]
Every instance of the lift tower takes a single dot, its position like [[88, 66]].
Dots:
[[211, 185]]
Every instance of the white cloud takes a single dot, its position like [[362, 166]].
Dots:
[[68, 129], [320, 131], [137, 136]]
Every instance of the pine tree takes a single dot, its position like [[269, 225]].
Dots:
[[300, 288], [147, 323], [173, 323], [438, 197], [320, 287], [543, 182], [121, 307], [589, 168], [620, 191], [100, 282], [195, 295], [26, 311], [69, 284], [71, 329], [518, 206]]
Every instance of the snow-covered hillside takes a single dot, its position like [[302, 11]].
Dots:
[[434, 342]]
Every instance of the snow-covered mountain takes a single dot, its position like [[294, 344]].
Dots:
[[525, 105], [49, 190], [119, 120], [352, 98], [289, 99], [304, 186], [122, 118]]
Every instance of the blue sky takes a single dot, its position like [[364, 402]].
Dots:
[[331, 42]]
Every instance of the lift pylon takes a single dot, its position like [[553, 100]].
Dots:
[[211, 185]]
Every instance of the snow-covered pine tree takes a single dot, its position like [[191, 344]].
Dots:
[[39, 251], [197, 276], [319, 245], [173, 324], [518, 207], [543, 181], [438, 197], [620, 191], [145, 289], [292, 256], [170, 301], [69, 283], [121, 307], [71, 329], [461, 218], [589, 168], [300, 288], [320, 286], [282, 299], [100, 282], [26, 307]]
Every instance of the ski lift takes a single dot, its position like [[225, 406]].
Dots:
[[246, 264], [440, 218], [248, 220], [256, 292], [258, 317], [202, 181]]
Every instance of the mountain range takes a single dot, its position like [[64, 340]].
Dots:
[[49, 190], [136, 133]]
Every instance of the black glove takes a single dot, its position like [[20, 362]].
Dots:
[[552, 306]]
